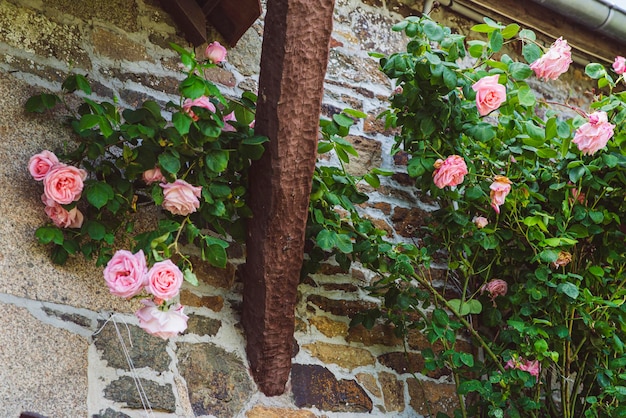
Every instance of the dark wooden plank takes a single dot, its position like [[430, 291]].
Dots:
[[189, 17]]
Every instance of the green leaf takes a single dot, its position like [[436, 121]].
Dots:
[[95, 229], [192, 87], [41, 102], [343, 120], [326, 240], [531, 52], [190, 277], [469, 386], [88, 121], [526, 96], [520, 70], [510, 31], [344, 243], [470, 307], [48, 234], [169, 162], [216, 255], [182, 122], [549, 256], [355, 113], [569, 289], [482, 28], [433, 31], [595, 70], [255, 140], [217, 161], [99, 193], [496, 41], [372, 180]]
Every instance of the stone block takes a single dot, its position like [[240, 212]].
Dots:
[[369, 382], [393, 392], [201, 325], [329, 327], [341, 355], [379, 334], [217, 381], [427, 397], [370, 155], [271, 412], [121, 13], [316, 386], [214, 303], [117, 47], [407, 221], [144, 349], [339, 306], [124, 390]]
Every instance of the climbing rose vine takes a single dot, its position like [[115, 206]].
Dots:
[[192, 166]]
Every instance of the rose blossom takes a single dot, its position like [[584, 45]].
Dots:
[[215, 52], [500, 188], [620, 65], [564, 259], [125, 273], [227, 126], [489, 94], [449, 172], [60, 216], [533, 367], [64, 183], [594, 134], [40, 164], [164, 280], [480, 222], [554, 62], [153, 175], [201, 101], [164, 324], [180, 197], [495, 288]]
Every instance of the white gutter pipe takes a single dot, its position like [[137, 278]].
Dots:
[[605, 16]]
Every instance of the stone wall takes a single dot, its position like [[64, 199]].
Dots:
[[63, 345]]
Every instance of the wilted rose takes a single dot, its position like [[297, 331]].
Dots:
[[125, 273], [554, 62], [480, 221], [495, 288], [489, 94], [564, 259], [449, 172], [500, 188], [40, 164], [180, 197], [533, 367], [619, 65], [60, 216], [215, 52], [594, 134], [64, 183], [164, 324]]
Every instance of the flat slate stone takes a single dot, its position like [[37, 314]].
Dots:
[[316, 386], [218, 381], [145, 351], [124, 390], [110, 413]]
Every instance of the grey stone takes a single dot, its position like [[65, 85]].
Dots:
[[218, 381], [81, 320], [124, 390], [145, 350], [110, 413], [121, 13], [201, 325]]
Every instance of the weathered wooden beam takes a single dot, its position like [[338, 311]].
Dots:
[[293, 65], [189, 17]]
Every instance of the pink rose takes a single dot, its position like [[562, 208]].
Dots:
[[489, 94], [480, 222], [64, 183], [201, 101], [500, 188], [620, 65], [153, 175], [215, 52], [180, 197], [164, 280], [533, 367], [554, 62], [125, 273], [594, 134], [449, 172], [60, 216], [227, 126], [252, 124], [164, 324], [495, 288], [40, 164]]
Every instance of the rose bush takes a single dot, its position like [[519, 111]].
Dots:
[[532, 234], [194, 166]]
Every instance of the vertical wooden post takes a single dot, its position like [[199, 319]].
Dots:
[[291, 82]]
